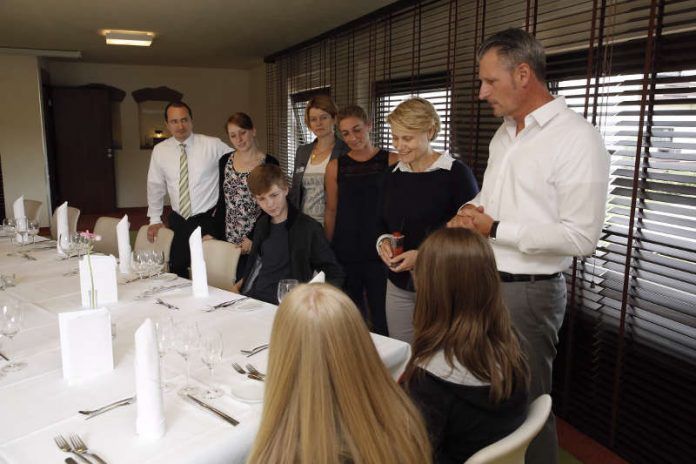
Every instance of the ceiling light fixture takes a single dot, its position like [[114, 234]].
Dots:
[[135, 38]]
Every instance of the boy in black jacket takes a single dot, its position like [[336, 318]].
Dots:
[[286, 243]]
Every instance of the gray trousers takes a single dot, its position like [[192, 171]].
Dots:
[[399, 307], [537, 310]]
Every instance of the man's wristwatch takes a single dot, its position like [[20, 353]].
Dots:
[[494, 230]]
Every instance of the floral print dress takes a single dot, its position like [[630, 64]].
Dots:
[[241, 209]]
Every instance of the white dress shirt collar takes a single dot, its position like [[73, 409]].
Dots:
[[539, 117], [444, 161]]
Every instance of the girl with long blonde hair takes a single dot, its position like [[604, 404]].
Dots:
[[329, 397], [467, 373]]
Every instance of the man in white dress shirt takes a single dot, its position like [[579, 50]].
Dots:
[[542, 201], [185, 166]]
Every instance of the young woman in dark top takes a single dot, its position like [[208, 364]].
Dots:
[[467, 373], [353, 190], [421, 194], [236, 210]]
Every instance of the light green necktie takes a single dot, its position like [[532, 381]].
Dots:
[[184, 198]]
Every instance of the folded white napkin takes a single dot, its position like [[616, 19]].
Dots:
[[18, 207], [19, 214], [62, 227], [98, 273], [199, 275], [320, 278], [85, 344], [124, 248], [150, 419]]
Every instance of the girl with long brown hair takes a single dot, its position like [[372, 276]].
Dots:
[[329, 398], [467, 373]]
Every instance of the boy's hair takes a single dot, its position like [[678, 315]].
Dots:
[[264, 177]]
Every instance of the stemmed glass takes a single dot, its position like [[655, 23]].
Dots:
[[285, 286], [187, 340], [9, 227], [11, 316], [140, 264], [22, 229], [33, 230], [211, 354], [165, 342], [67, 244]]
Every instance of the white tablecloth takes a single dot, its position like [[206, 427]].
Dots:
[[36, 403]]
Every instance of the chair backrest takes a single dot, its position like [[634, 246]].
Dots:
[[162, 243], [511, 449], [106, 228], [73, 216], [32, 209], [221, 260]]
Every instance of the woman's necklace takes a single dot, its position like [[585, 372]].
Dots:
[[321, 154]]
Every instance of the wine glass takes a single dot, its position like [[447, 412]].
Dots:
[[66, 245], [22, 229], [9, 226], [11, 316], [165, 343], [211, 354], [139, 263], [33, 230], [187, 340], [285, 286]]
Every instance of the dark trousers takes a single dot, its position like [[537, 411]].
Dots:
[[537, 310], [180, 254], [366, 284]]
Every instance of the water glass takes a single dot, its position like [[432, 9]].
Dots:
[[165, 343], [285, 286], [186, 341], [33, 230], [211, 354], [11, 318]]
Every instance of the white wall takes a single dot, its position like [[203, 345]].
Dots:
[[22, 143], [213, 95]]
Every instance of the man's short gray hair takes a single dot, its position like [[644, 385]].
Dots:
[[515, 46]]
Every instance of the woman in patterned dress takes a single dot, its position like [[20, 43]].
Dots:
[[236, 210]]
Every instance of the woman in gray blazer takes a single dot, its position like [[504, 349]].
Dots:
[[307, 192]]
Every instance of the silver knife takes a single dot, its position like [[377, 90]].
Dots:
[[214, 410], [4, 357], [108, 407]]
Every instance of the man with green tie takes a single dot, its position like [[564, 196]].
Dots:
[[185, 166]]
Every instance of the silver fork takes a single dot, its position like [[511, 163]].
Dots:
[[81, 448], [249, 374], [255, 371], [64, 446]]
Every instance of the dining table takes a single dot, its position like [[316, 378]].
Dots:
[[37, 403]]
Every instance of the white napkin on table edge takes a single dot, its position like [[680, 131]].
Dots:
[[149, 421], [61, 225]]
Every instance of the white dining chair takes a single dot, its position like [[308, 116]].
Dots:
[[73, 216], [512, 448], [106, 228], [32, 208], [221, 260]]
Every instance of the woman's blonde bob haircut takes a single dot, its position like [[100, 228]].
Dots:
[[416, 114], [329, 398]]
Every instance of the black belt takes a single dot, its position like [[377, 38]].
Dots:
[[507, 277]]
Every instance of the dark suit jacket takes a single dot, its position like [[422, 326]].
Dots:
[[220, 208], [301, 159]]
